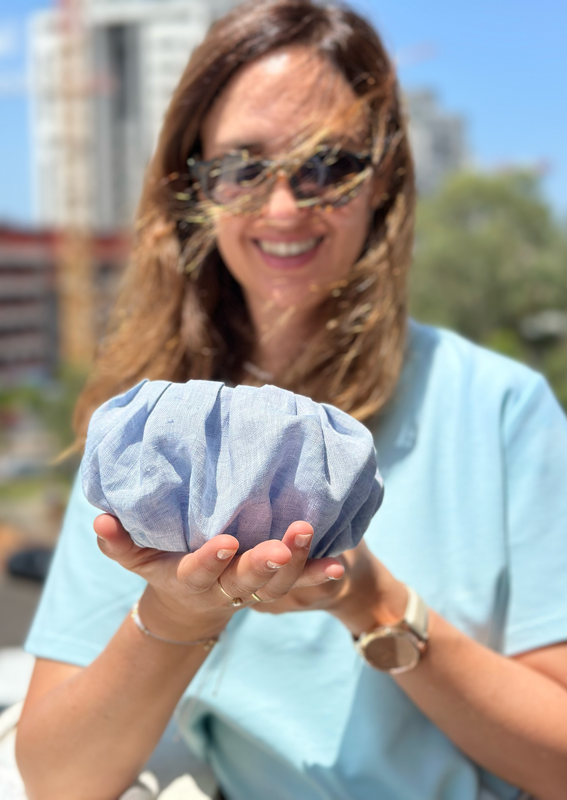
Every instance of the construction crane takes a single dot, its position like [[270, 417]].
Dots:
[[75, 274]]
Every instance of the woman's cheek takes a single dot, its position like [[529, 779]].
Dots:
[[230, 237], [350, 230]]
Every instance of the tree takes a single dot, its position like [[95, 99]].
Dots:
[[488, 254]]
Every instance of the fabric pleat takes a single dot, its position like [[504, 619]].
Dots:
[[181, 463]]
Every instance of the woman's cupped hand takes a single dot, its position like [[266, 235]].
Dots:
[[184, 601]]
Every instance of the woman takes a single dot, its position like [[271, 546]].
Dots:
[[282, 256]]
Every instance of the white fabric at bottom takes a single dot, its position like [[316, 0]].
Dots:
[[11, 785]]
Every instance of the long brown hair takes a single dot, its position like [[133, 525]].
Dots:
[[172, 324]]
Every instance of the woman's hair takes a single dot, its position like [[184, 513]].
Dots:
[[176, 324]]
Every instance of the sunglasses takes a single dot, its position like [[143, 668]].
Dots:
[[330, 177]]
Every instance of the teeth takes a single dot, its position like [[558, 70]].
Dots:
[[287, 249]]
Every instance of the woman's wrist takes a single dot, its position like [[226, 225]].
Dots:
[[179, 624], [380, 600]]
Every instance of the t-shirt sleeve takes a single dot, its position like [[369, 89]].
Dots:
[[86, 596], [535, 440]]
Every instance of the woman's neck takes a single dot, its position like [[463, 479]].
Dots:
[[281, 335]]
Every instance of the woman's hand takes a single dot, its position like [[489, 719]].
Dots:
[[183, 600], [364, 596]]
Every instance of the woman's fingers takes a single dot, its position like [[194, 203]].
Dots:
[[271, 569], [112, 533], [201, 569], [115, 542], [254, 568], [298, 539], [197, 571], [318, 571], [155, 566], [318, 585]]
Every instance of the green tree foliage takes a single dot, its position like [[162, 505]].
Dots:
[[52, 404], [489, 253]]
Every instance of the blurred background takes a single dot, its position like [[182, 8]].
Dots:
[[83, 88]]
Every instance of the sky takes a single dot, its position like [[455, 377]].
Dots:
[[501, 64]]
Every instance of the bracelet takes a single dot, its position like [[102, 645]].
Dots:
[[208, 644]]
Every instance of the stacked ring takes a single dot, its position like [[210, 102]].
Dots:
[[259, 599], [235, 602]]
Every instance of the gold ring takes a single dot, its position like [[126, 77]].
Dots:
[[259, 599], [235, 602]]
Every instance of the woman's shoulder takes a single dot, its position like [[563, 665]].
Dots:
[[449, 382], [454, 365]]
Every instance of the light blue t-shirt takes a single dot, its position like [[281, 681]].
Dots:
[[473, 450]]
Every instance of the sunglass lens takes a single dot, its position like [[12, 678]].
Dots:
[[341, 168], [231, 177], [323, 173], [309, 180]]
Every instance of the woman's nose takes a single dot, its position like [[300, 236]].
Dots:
[[281, 202]]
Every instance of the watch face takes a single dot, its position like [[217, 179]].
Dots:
[[391, 651]]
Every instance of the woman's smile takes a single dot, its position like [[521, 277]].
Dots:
[[288, 253]]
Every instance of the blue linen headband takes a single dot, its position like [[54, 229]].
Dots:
[[181, 463]]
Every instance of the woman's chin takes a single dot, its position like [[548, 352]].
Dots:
[[293, 299]]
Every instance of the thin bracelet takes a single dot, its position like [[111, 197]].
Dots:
[[208, 644]]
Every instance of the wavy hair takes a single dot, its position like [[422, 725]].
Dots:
[[176, 324]]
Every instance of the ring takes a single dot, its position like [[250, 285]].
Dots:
[[235, 602], [259, 599]]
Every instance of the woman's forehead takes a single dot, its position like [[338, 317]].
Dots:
[[271, 102]]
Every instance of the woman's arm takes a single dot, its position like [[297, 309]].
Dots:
[[508, 715], [85, 733], [504, 713]]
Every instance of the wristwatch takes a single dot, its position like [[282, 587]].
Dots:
[[398, 647]]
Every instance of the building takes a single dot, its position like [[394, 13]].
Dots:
[[133, 54], [28, 306], [114, 97], [437, 140], [29, 325]]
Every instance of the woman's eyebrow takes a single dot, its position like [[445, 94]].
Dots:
[[259, 148], [346, 142], [226, 147]]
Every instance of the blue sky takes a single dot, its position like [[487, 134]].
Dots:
[[501, 64]]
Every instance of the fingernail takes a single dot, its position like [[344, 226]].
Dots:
[[224, 554], [273, 565], [102, 543], [303, 539], [331, 578]]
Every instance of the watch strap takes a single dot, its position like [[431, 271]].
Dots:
[[416, 616], [412, 630]]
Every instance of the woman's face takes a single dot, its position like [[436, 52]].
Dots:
[[284, 256]]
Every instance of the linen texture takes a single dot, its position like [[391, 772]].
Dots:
[[181, 463]]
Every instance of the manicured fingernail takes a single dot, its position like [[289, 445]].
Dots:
[[273, 565], [224, 554], [303, 539], [331, 578]]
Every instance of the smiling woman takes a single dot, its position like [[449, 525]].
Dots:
[[314, 79], [289, 257], [273, 243]]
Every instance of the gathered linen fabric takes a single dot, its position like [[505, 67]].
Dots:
[[181, 463]]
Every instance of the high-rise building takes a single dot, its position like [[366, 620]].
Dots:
[[135, 51], [437, 140]]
